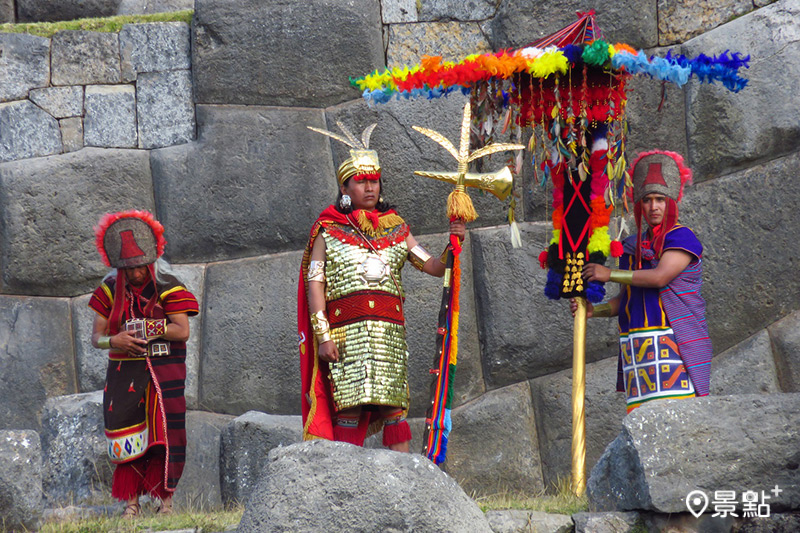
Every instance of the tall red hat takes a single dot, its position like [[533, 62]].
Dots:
[[660, 172], [129, 239]]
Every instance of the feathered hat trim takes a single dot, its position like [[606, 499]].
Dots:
[[129, 238]]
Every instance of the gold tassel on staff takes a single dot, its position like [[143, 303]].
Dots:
[[578, 395]]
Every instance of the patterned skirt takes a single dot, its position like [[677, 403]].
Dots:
[[652, 367]]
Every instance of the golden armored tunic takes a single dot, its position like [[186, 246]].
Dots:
[[365, 310]]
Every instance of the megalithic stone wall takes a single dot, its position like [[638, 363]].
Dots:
[[91, 123]]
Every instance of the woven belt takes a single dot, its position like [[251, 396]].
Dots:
[[365, 305]]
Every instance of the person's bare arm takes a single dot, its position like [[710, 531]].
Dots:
[[327, 351], [434, 265], [672, 263], [122, 341]]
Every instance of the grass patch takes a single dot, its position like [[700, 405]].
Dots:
[[562, 502], [103, 24], [148, 521]]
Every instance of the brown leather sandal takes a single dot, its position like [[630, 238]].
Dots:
[[132, 510], [165, 509]]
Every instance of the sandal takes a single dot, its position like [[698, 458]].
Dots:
[[165, 509], [132, 510]]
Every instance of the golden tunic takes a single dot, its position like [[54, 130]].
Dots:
[[364, 307]]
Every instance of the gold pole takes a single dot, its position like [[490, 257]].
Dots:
[[578, 394]]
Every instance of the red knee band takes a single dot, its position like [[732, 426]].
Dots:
[[396, 433]]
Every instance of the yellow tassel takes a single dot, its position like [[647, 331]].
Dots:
[[459, 205]]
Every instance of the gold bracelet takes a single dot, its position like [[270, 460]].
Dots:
[[418, 256], [601, 310], [321, 327], [316, 271], [104, 343], [622, 276]]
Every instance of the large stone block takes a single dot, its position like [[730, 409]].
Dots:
[[747, 368], [61, 102], [51, 10], [154, 47], [552, 402], [451, 40], [164, 108], [323, 486], [250, 354], [258, 53], [668, 449], [420, 201], [523, 334], [398, 11], [193, 278], [134, 7], [680, 21], [253, 183], [7, 11], [245, 445], [519, 22], [85, 57], [423, 301], [199, 487], [91, 362], [36, 356], [785, 336], [77, 467], [727, 130], [493, 446], [47, 216], [729, 218], [110, 120], [456, 10], [27, 131], [20, 480], [24, 63]]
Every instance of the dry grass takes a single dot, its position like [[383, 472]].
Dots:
[[104, 24], [198, 520], [562, 501]]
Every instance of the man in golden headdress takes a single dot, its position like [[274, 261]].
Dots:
[[353, 353]]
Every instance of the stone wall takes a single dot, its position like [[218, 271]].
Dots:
[[127, 90], [92, 123]]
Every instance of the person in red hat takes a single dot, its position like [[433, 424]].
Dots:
[[665, 350], [143, 320]]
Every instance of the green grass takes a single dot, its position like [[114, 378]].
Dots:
[[208, 522], [105, 24], [562, 502]]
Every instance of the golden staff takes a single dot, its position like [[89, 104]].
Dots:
[[459, 205], [578, 396]]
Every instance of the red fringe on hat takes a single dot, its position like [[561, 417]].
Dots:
[[110, 218]]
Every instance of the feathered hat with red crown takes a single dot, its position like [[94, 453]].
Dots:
[[129, 239]]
